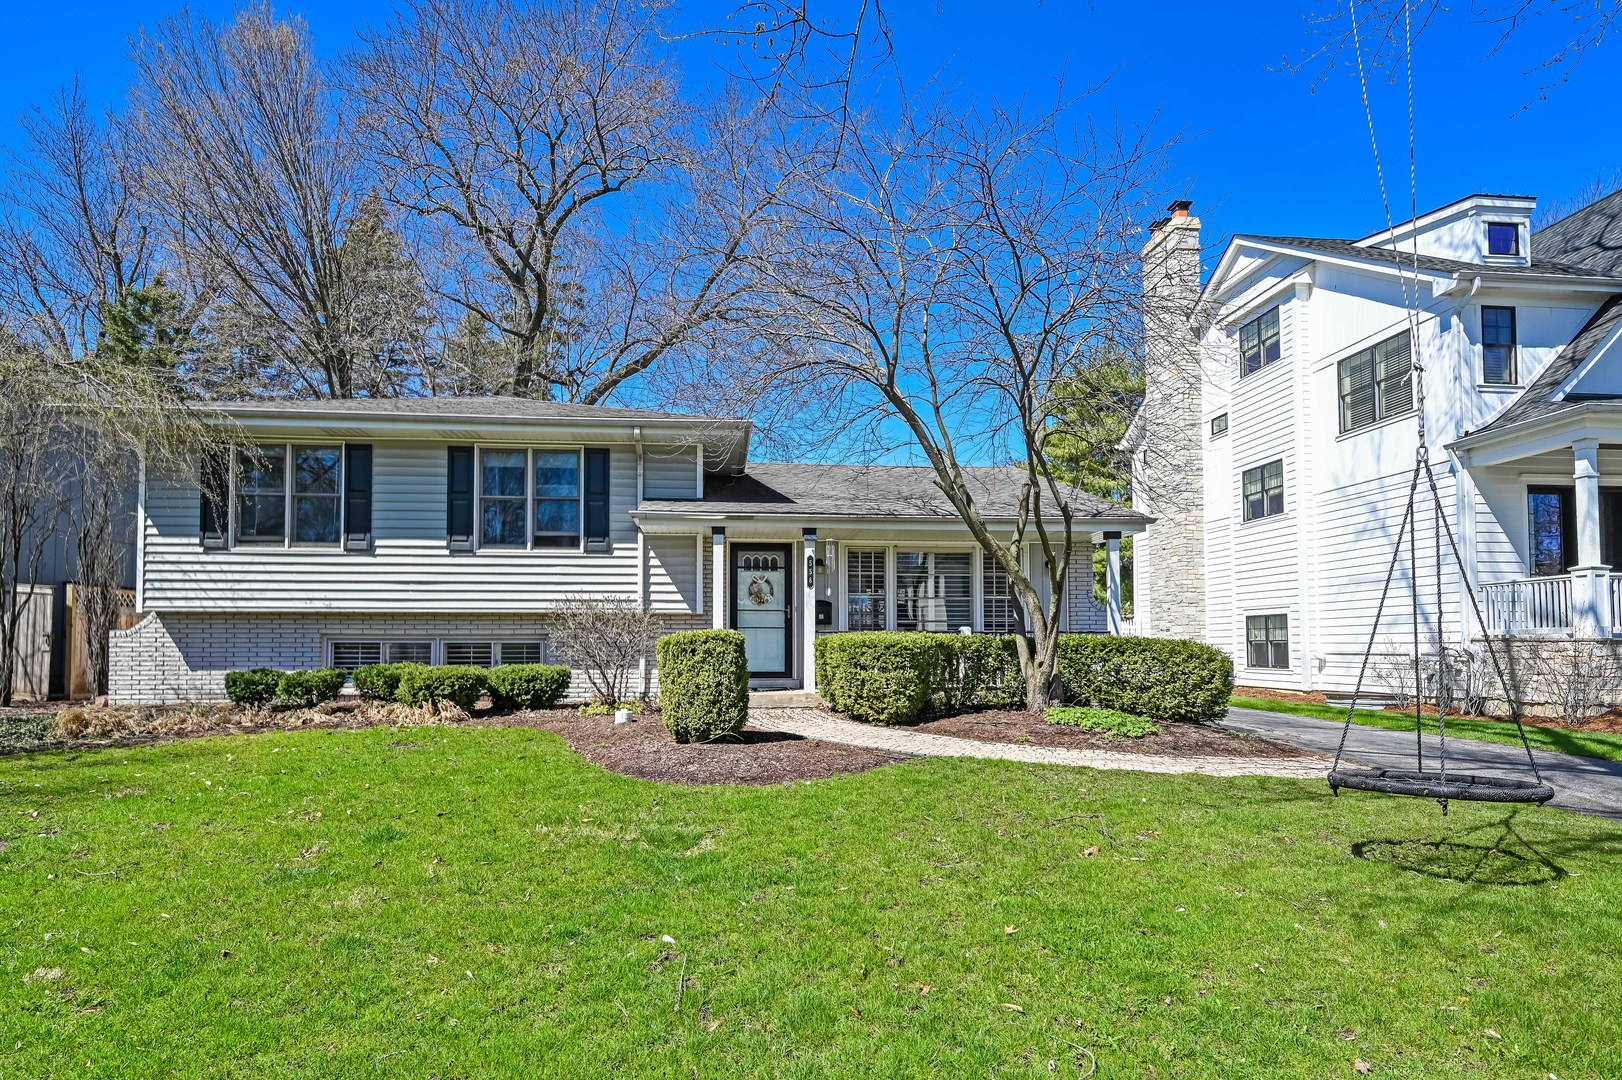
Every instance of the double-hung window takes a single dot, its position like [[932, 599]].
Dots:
[[557, 498], [1503, 238], [1259, 343], [1264, 490], [1376, 383], [934, 590], [866, 593], [1498, 345], [289, 485], [529, 498], [1267, 641]]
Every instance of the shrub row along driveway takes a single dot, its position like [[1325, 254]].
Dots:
[[1589, 785], [815, 724]]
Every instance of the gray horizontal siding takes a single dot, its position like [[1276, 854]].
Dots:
[[670, 472], [673, 573], [410, 568]]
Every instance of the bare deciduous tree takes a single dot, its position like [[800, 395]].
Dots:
[[606, 638], [74, 237], [586, 212], [249, 164], [953, 274]]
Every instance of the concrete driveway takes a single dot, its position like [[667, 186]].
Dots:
[[1589, 785]]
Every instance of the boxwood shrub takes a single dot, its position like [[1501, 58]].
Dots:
[[381, 682], [528, 686], [703, 684], [252, 689], [1161, 678], [309, 688], [903, 676], [461, 686]]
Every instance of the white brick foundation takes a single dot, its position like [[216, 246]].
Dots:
[[176, 657]]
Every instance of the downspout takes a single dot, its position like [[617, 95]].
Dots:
[[641, 565]]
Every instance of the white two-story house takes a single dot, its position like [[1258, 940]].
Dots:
[[446, 530], [1280, 435]]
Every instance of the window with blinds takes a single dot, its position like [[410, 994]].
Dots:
[[999, 609], [522, 652], [865, 593], [1376, 383], [350, 655], [470, 653]]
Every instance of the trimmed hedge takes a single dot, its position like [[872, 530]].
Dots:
[[381, 682], [309, 688], [1156, 677], [254, 688], [528, 686], [902, 676], [461, 686], [703, 684]]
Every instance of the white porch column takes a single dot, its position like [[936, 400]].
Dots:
[[1112, 581], [808, 617], [718, 577], [1590, 579]]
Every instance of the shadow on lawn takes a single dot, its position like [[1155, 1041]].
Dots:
[[1507, 859]]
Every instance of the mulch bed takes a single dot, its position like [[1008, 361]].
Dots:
[[645, 749], [1175, 738], [1314, 697]]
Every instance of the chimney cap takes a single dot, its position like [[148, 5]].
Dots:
[[1158, 224], [1180, 207]]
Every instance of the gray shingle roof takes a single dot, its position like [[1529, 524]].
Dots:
[[1348, 249], [866, 491], [1592, 237], [464, 405], [1538, 398]]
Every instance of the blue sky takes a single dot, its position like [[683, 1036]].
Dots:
[[1266, 151]]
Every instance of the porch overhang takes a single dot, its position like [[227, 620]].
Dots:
[[1598, 421], [863, 527]]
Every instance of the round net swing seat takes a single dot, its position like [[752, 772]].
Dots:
[[1463, 787]]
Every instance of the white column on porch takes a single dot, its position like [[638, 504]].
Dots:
[[1590, 578], [718, 577], [808, 616], [1112, 582]]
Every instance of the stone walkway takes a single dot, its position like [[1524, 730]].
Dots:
[[815, 724]]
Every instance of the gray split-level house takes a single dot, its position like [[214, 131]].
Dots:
[[447, 529]]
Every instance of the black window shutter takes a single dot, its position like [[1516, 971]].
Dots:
[[459, 497], [358, 497], [213, 503], [596, 500]]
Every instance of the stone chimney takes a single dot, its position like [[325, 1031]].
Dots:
[[1168, 474]]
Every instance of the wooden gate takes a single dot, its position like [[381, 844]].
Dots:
[[78, 662], [31, 666]]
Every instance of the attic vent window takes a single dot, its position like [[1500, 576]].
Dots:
[[1503, 238]]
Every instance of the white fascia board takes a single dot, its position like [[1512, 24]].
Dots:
[[1375, 261], [686, 521], [1554, 431]]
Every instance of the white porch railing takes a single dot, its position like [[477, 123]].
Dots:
[[1538, 605]]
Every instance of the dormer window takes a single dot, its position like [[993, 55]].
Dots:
[[1259, 343], [1503, 238]]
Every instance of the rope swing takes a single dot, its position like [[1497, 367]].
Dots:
[[1436, 782]]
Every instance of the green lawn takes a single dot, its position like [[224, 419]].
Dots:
[[1559, 740], [477, 902]]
